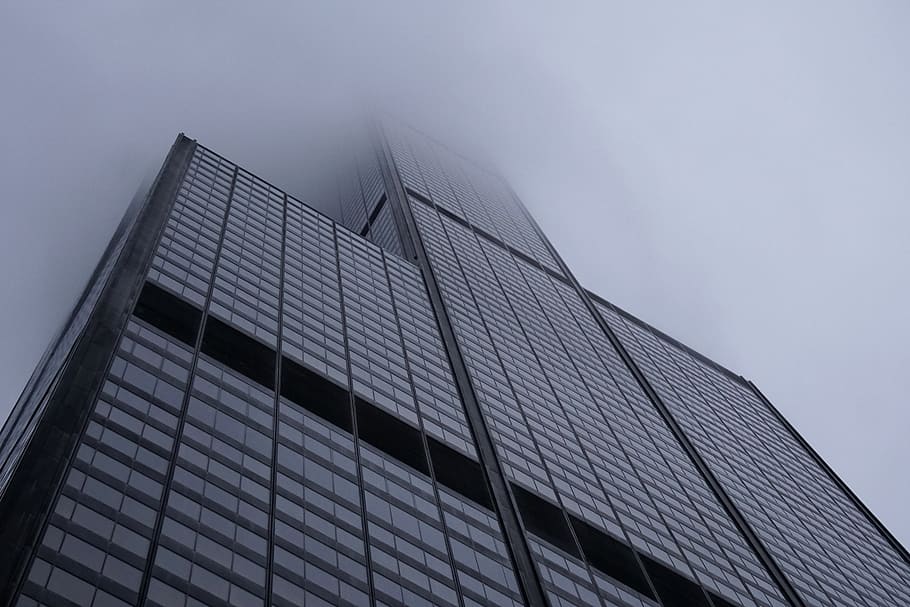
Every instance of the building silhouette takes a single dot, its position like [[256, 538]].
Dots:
[[415, 403]]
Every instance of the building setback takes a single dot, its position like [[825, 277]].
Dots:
[[413, 404]]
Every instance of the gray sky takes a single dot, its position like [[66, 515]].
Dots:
[[736, 175]]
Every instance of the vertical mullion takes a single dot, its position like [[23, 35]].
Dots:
[[701, 465], [527, 575], [270, 552], [587, 456], [423, 434], [557, 497], [353, 411], [178, 435]]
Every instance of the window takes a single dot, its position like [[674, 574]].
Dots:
[[244, 354], [390, 435], [459, 473], [316, 394], [169, 313], [544, 519]]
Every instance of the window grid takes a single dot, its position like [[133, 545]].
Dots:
[[311, 316], [440, 406], [807, 534], [213, 544], [186, 253], [377, 358], [319, 551], [214, 535], [396, 582], [408, 547], [654, 512], [484, 570], [96, 544], [713, 565], [717, 552], [566, 579], [384, 232], [247, 277], [519, 375], [517, 450], [467, 191]]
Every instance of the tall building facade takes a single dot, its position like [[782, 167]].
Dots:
[[412, 403]]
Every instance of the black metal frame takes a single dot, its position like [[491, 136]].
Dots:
[[34, 486]]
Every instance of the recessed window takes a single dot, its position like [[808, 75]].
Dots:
[[720, 601], [390, 435], [544, 519], [459, 473], [173, 315], [377, 209], [674, 589], [315, 393], [611, 556], [240, 352]]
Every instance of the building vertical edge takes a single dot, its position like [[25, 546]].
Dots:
[[873, 520], [26, 502], [527, 574], [24, 404]]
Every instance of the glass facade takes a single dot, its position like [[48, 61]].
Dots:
[[412, 404], [823, 542]]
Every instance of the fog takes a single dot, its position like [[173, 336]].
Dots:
[[735, 175]]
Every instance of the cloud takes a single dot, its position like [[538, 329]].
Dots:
[[734, 175]]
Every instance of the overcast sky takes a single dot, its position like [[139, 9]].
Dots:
[[739, 176]]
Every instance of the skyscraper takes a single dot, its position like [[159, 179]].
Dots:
[[415, 403]]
